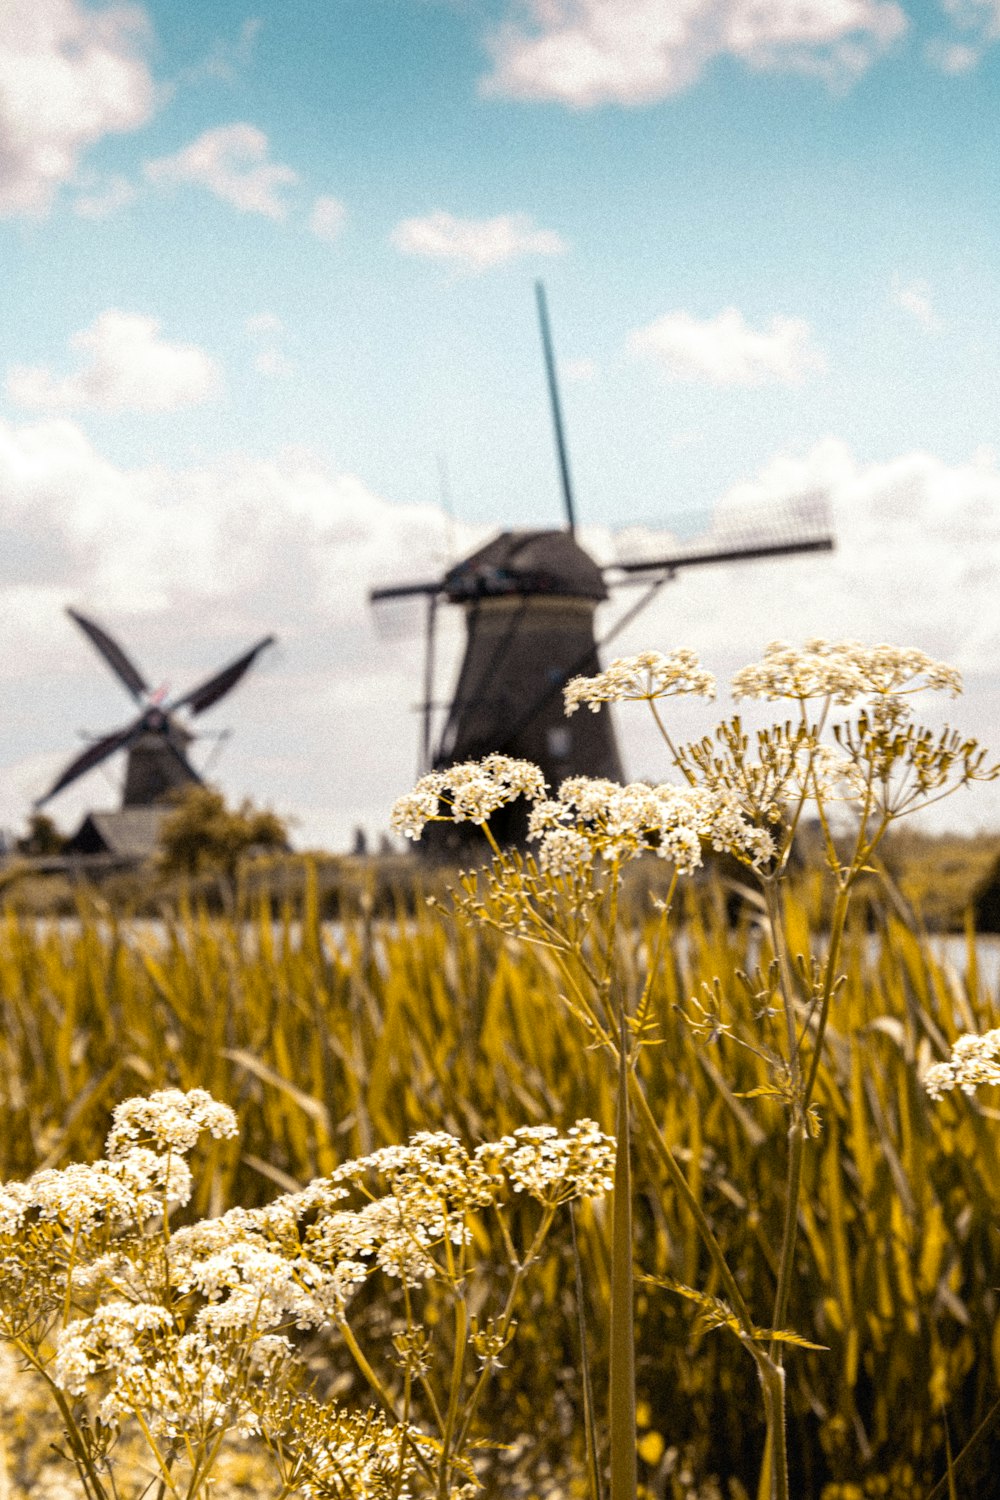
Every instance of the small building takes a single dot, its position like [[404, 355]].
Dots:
[[130, 836]]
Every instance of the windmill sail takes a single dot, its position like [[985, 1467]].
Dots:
[[125, 670], [798, 525], [221, 683]]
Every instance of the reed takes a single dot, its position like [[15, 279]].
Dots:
[[330, 1041]]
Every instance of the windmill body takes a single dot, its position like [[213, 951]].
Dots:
[[153, 773], [530, 598]]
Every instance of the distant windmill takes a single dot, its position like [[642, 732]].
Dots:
[[530, 597], [157, 741]]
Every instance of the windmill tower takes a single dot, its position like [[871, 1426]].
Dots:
[[155, 742], [530, 598]]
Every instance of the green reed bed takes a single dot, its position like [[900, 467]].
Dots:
[[329, 1042]]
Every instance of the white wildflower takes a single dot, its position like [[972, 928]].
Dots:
[[169, 1120], [130, 1189], [974, 1060], [843, 671], [649, 675], [555, 1168], [469, 792], [112, 1337], [590, 817]]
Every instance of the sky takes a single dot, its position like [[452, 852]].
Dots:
[[269, 340]]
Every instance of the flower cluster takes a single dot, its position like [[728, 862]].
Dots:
[[144, 1169], [974, 1060], [842, 671], [169, 1120], [591, 816], [245, 1276], [555, 1168], [469, 792], [642, 678]]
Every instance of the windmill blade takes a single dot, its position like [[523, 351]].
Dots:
[[113, 654], [93, 756], [554, 402], [221, 683], [678, 560], [800, 525], [405, 591]]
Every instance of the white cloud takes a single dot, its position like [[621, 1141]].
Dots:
[[953, 58], [976, 27], [914, 297], [589, 52], [476, 244], [232, 162], [189, 566], [327, 218], [725, 350], [69, 75], [129, 368]]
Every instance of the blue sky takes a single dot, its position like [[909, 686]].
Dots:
[[268, 267]]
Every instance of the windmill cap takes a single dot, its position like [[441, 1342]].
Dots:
[[526, 562]]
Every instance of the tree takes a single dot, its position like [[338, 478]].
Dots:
[[202, 834], [42, 838]]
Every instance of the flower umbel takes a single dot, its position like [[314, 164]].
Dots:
[[974, 1060], [843, 671], [651, 674], [469, 792]]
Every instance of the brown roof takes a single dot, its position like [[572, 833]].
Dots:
[[130, 833], [527, 562]]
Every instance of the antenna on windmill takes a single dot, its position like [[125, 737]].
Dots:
[[557, 421]]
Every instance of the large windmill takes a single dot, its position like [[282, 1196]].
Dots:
[[530, 598], [156, 741]]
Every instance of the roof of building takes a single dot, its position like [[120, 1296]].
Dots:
[[131, 833], [527, 562]]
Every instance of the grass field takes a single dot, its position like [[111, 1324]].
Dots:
[[329, 1042]]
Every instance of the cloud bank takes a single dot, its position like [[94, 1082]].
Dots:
[[190, 565], [585, 53], [129, 367], [69, 76]]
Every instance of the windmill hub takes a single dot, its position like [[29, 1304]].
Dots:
[[522, 563]]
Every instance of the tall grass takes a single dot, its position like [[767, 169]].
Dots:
[[331, 1041]]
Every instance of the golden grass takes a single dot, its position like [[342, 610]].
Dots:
[[330, 1041]]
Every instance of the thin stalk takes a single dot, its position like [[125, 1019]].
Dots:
[[796, 1130], [84, 1468], [506, 1318], [654, 1135], [621, 1395], [454, 1395], [590, 1431], [774, 1470]]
